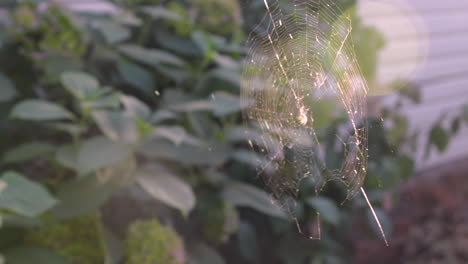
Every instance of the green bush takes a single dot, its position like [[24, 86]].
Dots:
[[150, 242], [146, 97], [79, 240]]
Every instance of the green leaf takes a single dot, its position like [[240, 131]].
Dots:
[[250, 158], [23, 196], [27, 151], [439, 137], [33, 254], [99, 152], [200, 253], [67, 155], [80, 84], [39, 110], [176, 44], [152, 57], [70, 128], [86, 194], [135, 107], [158, 12], [176, 134], [221, 103], [110, 101], [113, 32], [117, 125], [162, 185], [225, 103], [219, 79], [162, 115], [241, 194], [327, 209], [7, 89], [137, 76], [192, 106], [188, 154]]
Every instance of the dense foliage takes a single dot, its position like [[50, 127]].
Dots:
[[140, 100]]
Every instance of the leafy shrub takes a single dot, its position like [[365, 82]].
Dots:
[[150, 242], [146, 96], [79, 240]]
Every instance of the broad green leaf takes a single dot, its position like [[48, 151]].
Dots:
[[205, 44], [162, 185], [221, 103], [176, 44], [27, 151], [80, 84], [33, 254], [158, 12], [219, 79], [86, 194], [225, 103], [200, 253], [439, 137], [113, 32], [188, 154], [39, 110], [99, 152], [117, 125], [135, 107], [226, 62], [192, 106], [162, 115], [250, 158], [56, 64], [23, 196], [241, 194], [174, 73], [67, 155], [252, 137], [327, 209], [7, 89], [176, 134], [152, 57], [110, 101], [70, 128], [137, 76]]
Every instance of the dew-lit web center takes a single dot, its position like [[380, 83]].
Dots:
[[298, 59]]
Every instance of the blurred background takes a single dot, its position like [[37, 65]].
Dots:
[[123, 138]]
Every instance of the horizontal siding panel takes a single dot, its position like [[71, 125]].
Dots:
[[428, 45], [422, 7]]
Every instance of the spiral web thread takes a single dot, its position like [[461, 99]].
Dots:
[[298, 57]]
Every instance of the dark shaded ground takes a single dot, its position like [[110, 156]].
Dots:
[[430, 222]]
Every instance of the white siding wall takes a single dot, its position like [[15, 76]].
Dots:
[[426, 42]]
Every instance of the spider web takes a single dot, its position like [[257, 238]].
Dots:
[[299, 57]]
